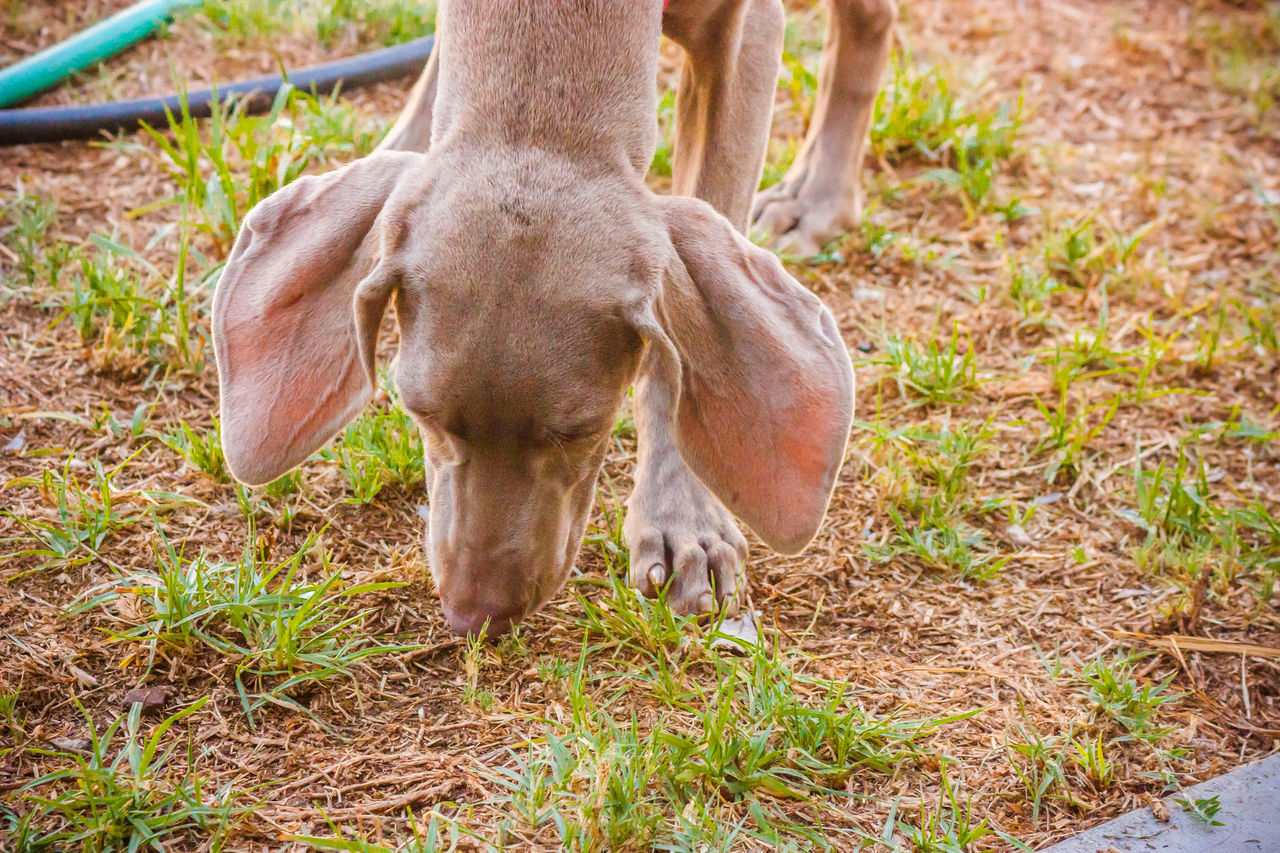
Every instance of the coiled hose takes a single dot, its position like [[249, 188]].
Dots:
[[104, 39], [52, 124]]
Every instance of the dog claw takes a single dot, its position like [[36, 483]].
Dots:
[[683, 543], [657, 577]]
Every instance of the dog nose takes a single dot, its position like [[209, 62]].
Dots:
[[471, 621]]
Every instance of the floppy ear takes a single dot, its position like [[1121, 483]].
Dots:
[[765, 392], [296, 315]]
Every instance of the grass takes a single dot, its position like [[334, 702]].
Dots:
[[1066, 339], [1031, 291], [664, 154], [755, 731], [952, 548], [114, 309], [950, 828], [135, 316], [1071, 425], [1241, 54], [1084, 254], [1197, 541], [284, 626], [227, 165], [437, 834], [202, 448], [1039, 762], [30, 220], [1173, 503], [381, 448], [933, 374], [83, 513], [920, 113], [1202, 809], [928, 499], [376, 22], [1116, 691], [122, 307], [123, 791], [1091, 757]]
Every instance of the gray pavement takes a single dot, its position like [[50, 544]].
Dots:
[[1250, 818]]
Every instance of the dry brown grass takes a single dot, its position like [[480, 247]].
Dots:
[[1125, 123]]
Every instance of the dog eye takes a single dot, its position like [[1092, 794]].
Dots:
[[435, 424], [572, 435], [427, 419]]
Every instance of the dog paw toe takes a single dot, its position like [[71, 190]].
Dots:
[[686, 545]]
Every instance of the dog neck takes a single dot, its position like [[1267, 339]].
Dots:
[[569, 79]]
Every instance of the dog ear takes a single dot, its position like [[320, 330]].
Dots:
[[765, 386], [296, 315]]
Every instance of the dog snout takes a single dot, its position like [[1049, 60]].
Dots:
[[480, 618], [485, 591], [499, 545]]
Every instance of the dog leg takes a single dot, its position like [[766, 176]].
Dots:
[[724, 104], [819, 198], [412, 130], [680, 535]]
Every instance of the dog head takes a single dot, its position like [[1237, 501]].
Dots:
[[527, 298]]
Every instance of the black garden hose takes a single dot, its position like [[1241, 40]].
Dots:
[[52, 124]]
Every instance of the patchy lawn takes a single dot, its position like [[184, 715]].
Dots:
[[1058, 526]]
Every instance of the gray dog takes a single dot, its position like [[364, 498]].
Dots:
[[536, 278]]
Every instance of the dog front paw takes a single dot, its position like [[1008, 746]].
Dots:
[[801, 215], [683, 540]]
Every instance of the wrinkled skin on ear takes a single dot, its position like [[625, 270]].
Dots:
[[296, 315], [762, 380]]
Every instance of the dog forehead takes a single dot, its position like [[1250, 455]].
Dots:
[[519, 281], [505, 248], [523, 217], [528, 358]]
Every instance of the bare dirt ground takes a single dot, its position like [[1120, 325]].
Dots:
[[1115, 523]]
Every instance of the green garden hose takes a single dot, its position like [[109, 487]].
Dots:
[[49, 67], [86, 121]]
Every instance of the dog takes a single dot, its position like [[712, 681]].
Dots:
[[535, 279]]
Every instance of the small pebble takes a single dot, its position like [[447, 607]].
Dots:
[[150, 698]]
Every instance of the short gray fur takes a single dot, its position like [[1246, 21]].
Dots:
[[1250, 817]]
